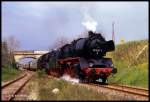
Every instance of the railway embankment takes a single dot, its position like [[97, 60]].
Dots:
[[44, 87], [131, 60]]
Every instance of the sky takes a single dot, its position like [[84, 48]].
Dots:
[[38, 25]]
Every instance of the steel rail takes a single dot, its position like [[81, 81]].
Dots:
[[25, 78], [127, 89]]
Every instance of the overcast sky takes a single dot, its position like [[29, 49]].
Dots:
[[37, 25]]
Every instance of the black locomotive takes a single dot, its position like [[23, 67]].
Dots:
[[82, 58]]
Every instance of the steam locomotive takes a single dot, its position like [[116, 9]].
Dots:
[[83, 58]]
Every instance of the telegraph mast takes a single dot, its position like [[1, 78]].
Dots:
[[113, 34]]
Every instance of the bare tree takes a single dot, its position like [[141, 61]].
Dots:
[[83, 34], [13, 43], [86, 34], [4, 52], [60, 42]]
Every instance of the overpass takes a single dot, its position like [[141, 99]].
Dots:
[[18, 55]]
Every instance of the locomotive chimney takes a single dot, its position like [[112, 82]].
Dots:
[[90, 33]]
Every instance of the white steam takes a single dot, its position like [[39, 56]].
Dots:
[[88, 21], [68, 78]]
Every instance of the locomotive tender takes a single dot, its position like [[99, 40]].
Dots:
[[82, 58]]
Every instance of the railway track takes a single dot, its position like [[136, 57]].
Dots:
[[11, 89], [141, 92]]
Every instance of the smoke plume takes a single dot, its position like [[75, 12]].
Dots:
[[88, 21]]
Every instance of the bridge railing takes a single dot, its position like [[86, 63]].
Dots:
[[29, 52]]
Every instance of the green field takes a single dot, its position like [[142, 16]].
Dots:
[[132, 70], [9, 73]]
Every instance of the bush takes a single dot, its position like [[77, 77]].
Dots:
[[9, 73]]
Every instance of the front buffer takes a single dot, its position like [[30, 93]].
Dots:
[[97, 69], [93, 74]]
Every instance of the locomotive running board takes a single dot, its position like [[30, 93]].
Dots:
[[70, 59]]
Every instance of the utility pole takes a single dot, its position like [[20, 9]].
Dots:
[[113, 32]]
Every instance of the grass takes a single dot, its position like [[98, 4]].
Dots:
[[42, 86], [134, 75], [41, 73], [9, 73], [128, 52], [131, 71]]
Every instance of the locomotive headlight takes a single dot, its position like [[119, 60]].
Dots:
[[91, 64]]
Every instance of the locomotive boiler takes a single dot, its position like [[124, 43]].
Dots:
[[83, 58]]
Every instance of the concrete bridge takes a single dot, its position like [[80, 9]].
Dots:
[[18, 55]]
